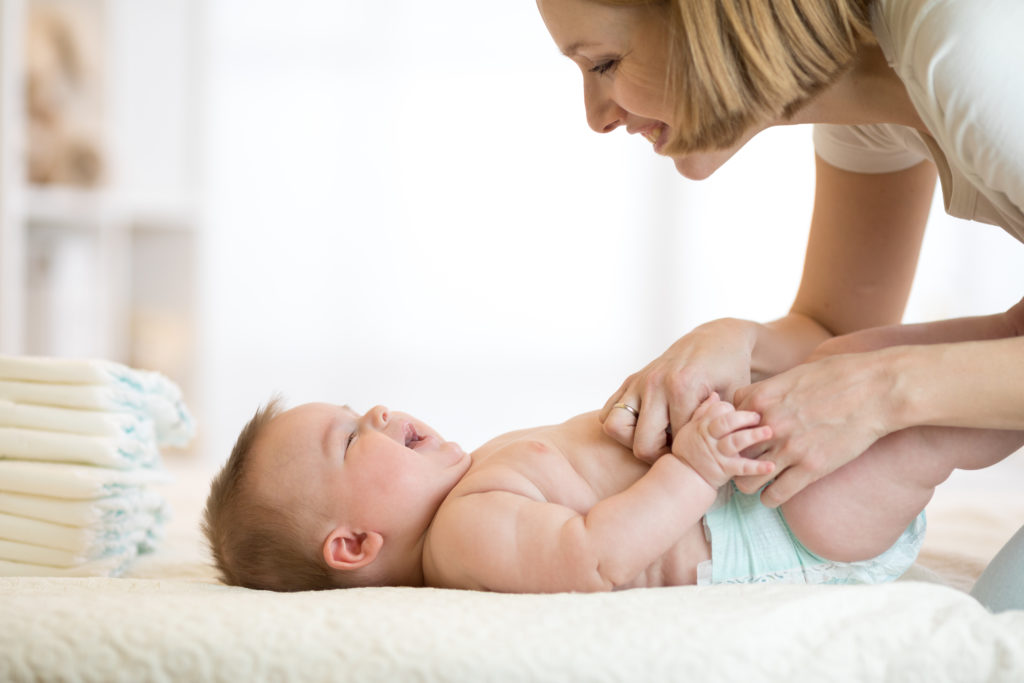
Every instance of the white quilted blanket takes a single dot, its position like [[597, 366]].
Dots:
[[170, 621], [134, 630]]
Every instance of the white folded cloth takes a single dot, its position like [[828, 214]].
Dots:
[[90, 512], [82, 542], [88, 396], [61, 370], [77, 421], [98, 385], [17, 551], [33, 444], [113, 565], [79, 451], [76, 482], [36, 537]]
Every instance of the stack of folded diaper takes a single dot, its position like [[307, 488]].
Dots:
[[79, 456]]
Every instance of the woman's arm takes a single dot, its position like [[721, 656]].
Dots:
[[865, 237], [966, 384], [866, 233], [965, 372]]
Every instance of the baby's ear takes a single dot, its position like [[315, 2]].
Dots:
[[349, 549]]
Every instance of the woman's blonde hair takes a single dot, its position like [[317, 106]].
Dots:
[[737, 63]]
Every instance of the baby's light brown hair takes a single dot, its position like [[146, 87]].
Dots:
[[255, 544]]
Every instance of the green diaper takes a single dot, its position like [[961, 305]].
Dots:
[[751, 543]]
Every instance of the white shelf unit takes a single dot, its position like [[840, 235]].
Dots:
[[83, 271], [12, 222]]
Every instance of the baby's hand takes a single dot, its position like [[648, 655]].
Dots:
[[712, 440]]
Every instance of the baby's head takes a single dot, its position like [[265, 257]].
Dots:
[[321, 497]]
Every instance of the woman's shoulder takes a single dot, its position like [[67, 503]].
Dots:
[[948, 38], [955, 57]]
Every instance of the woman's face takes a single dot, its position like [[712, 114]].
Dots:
[[623, 54]]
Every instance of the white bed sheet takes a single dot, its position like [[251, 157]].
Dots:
[[169, 619]]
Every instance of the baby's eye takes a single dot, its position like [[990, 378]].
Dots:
[[604, 67], [349, 440]]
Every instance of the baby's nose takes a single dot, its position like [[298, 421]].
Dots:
[[378, 416]]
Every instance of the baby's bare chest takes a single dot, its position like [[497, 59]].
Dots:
[[577, 476]]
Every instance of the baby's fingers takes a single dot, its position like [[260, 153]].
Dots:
[[722, 425], [706, 406], [738, 466], [736, 442]]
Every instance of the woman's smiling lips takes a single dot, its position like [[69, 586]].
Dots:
[[653, 133]]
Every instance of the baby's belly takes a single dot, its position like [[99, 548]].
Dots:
[[677, 567]]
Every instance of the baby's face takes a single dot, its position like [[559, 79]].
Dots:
[[383, 471]]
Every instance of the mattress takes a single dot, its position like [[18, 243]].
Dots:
[[168, 619]]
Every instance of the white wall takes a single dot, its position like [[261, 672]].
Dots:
[[404, 206]]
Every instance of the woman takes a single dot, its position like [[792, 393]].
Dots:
[[899, 89]]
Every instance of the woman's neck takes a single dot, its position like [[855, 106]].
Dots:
[[869, 92]]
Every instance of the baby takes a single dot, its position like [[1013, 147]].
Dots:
[[320, 497]]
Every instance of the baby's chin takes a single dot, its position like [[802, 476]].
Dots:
[[461, 459]]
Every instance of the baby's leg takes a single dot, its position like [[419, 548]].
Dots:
[[860, 510]]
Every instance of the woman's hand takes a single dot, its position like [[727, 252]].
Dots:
[[823, 414], [714, 357], [711, 442]]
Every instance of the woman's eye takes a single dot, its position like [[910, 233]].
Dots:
[[604, 67]]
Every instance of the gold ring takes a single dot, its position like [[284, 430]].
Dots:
[[629, 408]]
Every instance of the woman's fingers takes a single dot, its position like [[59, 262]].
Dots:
[[651, 438], [670, 388], [785, 486], [615, 398], [620, 422]]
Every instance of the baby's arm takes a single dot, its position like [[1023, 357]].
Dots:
[[711, 442], [512, 540]]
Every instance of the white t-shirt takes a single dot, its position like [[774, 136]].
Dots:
[[962, 62]]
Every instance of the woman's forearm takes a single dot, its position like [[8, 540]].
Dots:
[[781, 344], [964, 384]]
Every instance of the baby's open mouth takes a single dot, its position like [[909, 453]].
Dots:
[[412, 437]]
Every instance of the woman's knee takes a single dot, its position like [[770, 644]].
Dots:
[[1001, 585]]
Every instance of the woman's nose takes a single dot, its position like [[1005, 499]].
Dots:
[[377, 417], [603, 114]]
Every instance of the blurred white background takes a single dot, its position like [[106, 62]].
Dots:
[[401, 203]]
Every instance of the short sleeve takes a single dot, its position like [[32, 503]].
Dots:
[[868, 149]]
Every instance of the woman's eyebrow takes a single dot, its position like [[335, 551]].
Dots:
[[575, 48]]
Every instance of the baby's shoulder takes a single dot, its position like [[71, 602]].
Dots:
[[512, 465], [467, 543]]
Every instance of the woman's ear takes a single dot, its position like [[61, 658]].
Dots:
[[346, 548]]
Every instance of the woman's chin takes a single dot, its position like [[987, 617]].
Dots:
[[694, 169], [701, 165]]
